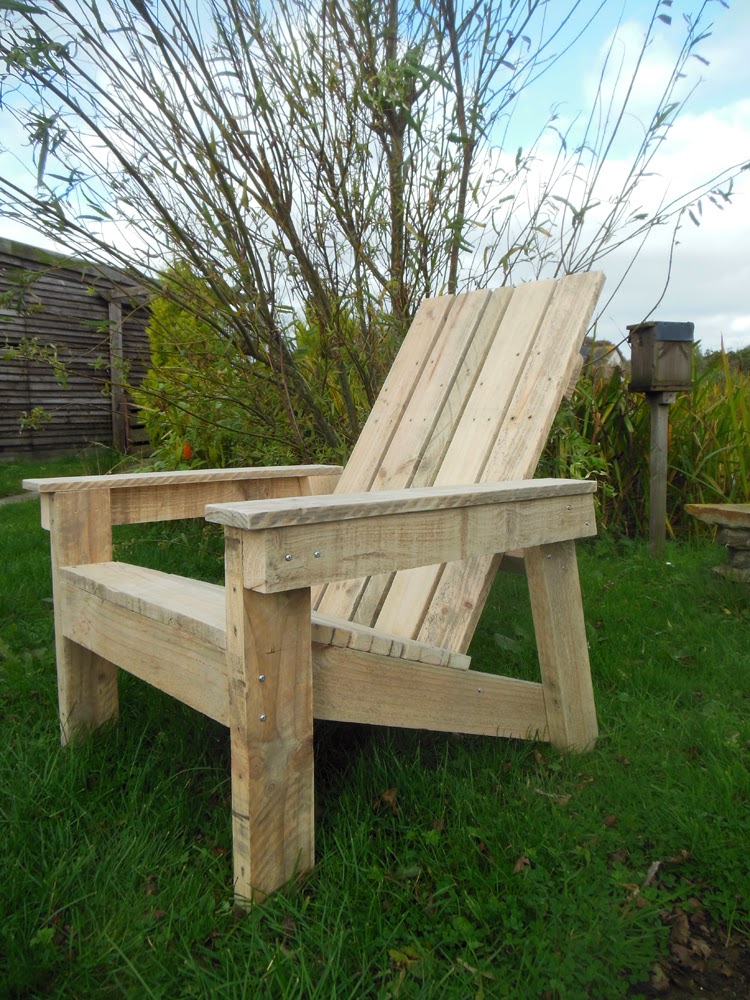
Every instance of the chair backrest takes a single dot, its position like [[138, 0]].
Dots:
[[470, 398]]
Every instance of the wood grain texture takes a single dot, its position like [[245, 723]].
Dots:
[[393, 446], [353, 686], [86, 683], [394, 398], [516, 450], [348, 685], [141, 504], [369, 545], [198, 610], [416, 458], [173, 659], [269, 667], [261, 515], [125, 480], [552, 573], [484, 410]]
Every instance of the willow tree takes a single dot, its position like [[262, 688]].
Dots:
[[317, 167]]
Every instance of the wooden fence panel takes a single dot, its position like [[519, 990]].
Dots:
[[67, 304]]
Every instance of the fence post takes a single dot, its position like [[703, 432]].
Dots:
[[117, 373]]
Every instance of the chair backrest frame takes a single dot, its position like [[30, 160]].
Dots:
[[470, 398]]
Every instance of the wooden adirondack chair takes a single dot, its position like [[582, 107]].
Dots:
[[396, 563]]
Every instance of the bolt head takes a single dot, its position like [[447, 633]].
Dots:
[[263, 718], [261, 677], [288, 557], [316, 553]]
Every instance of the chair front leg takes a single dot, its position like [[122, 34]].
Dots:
[[269, 660], [555, 590], [80, 532]]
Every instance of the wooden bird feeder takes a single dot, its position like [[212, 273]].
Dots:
[[661, 357], [661, 366]]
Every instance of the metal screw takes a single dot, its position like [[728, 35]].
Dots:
[[569, 507], [263, 717], [288, 557], [549, 556], [316, 553], [588, 523], [261, 677], [480, 690]]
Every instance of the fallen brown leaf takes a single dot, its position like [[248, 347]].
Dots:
[[387, 800], [523, 862], [680, 933], [659, 981], [610, 821]]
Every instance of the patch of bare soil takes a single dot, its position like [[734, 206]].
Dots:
[[703, 960]]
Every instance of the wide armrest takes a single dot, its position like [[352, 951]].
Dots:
[[301, 541], [134, 498], [182, 477]]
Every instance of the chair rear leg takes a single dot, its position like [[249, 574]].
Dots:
[[555, 590]]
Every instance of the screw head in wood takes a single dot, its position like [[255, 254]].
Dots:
[[261, 677], [288, 557], [263, 718], [316, 553]]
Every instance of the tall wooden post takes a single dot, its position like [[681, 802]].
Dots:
[[657, 490], [661, 366]]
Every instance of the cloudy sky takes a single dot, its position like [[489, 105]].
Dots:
[[710, 282], [710, 279]]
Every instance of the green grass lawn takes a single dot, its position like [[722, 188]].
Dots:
[[446, 866]]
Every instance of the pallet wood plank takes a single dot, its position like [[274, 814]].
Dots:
[[377, 593], [354, 686], [269, 669], [185, 665], [461, 592], [86, 683], [197, 609], [182, 476], [287, 556], [485, 409], [552, 573], [262, 515], [392, 448]]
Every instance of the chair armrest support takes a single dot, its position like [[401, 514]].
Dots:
[[163, 496], [308, 540]]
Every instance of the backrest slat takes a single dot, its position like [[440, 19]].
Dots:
[[391, 446], [460, 594], [484, 413], [445, 422], [471, 398]]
